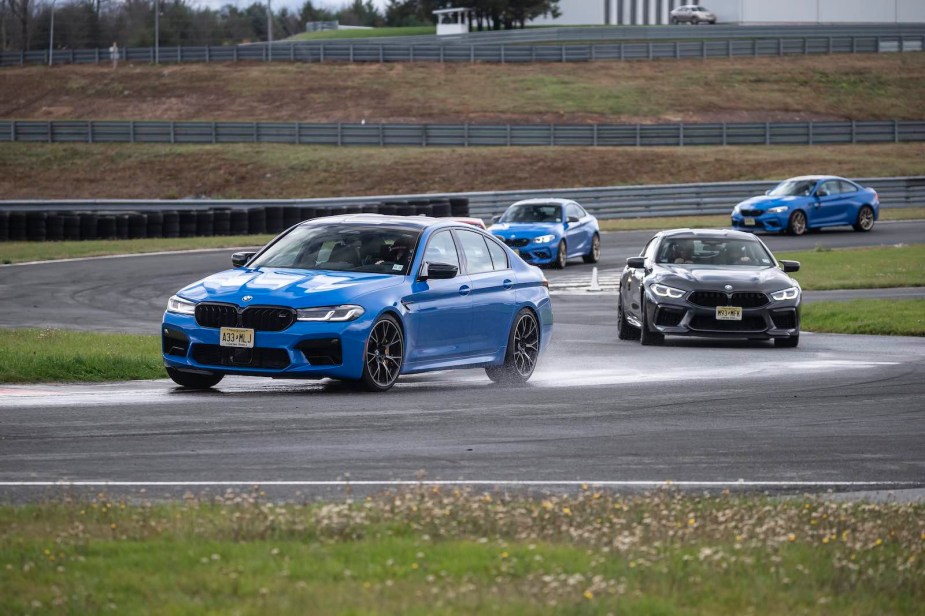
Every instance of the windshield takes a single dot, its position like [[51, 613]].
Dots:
[[343, 248], [793, 188], [533, 212], [718, 252]]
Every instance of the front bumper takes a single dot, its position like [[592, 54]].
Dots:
[[770, 223], [306, 350], [682, 318], [530, 251]]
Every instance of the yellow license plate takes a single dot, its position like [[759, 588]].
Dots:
[[728, 313], [239, 337], [748, 221]]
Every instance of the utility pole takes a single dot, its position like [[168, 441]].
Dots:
[[51, 36], [270, 31], [157, 31]]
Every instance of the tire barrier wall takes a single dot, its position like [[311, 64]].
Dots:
[[35, 223], [249, 216], [466, 135]]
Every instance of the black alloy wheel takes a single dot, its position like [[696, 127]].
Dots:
[[648, 337], [594, 255], [865, 220], [561, 256], [787, 343], [382, 359], [625, 331], [797, 224], [523, 349], [194, 380]]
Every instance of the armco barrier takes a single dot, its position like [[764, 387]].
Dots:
[[488, 50], [465, 135], [249, 216]]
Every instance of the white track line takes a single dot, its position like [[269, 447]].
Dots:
[[473, 482]]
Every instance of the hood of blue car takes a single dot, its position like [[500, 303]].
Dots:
[[741, 279], [287, 287], [525, 229], [765, 202]]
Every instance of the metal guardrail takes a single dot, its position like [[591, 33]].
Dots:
[[610, 202], [465, 135], [388, 52]]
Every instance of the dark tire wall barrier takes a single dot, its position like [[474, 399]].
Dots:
[[42, 225]]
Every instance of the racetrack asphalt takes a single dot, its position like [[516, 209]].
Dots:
[[843, 412]]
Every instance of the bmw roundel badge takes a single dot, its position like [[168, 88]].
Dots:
[[248, 298], [728, 287]]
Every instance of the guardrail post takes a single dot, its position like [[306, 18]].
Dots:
[[594, 133], [780, 46], [649, 46], [381, 136], [754, 48], [351, 52], [621, 52], [292, 53], [208, 55], [466, 134], [13, 130], [902, 42], [411, 53], [471, 54], [381, 56], [563, 54], [681, 134], [97, 55], [173, 132], [502, 54], [214, 134], [235, 55], [424, 135], [131, 131], [254, 132], [895, 131], [593, 49], [767, 133], [340, 130], [22, 58], [677, 50], [728, 48], [49, 129], [321, 53], [441, 54], [854, 46], [810, 132], [638, 136], [829, 48], [508, 126], [552, 134], [90, 131], [179, 54], [854, 137], [724, 133]]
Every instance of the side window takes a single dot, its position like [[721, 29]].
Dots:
[[477, 257], [646, 249], [572, 210], [498, 255], [847, 187], [442, 249], [827, 188]]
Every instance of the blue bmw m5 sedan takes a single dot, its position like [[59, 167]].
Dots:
[[809, 202], [549, 231], [365, 298]]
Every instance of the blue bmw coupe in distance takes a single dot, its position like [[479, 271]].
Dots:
[[549, 231], [364, 298], [807, 203]]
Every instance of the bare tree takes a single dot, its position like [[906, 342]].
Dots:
[[21, 13]]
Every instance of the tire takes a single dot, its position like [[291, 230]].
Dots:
[[787, 343], [797, 223], [865, 221], [648, 337], [625, 331], [523, 350], [194, 380], [561, 256], [595, 253], [383, 354]]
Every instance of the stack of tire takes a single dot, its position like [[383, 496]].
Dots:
[[40, 225]]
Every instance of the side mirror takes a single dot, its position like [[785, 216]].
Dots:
[[438, 271], [768, 191], [495, 218], [636, 262], [573, 219], [240, 259], [790, 266]]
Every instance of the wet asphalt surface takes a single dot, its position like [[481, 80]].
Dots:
[[838, 411]]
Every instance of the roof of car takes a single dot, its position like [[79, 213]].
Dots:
[[707, 233], [815, 177], [413, 222], [544, 200]]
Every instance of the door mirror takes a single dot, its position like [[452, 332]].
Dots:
[[768, 191], [636, 262], [790, 266], [240, 259], [495, 218], [438, 271], [573, 219]]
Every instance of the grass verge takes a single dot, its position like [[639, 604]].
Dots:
[[46, 355], [431, 550], [860, 268], [895, 317]]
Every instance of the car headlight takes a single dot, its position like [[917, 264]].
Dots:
[[347, 312], [778, 210], [180, 306], [786, 294], [543, 239], [664, 291]]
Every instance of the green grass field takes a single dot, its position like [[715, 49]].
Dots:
[[860, 268], [429, 550], [895, 317]]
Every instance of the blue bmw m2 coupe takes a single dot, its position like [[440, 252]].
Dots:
[[549, 231], [364, 298]]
